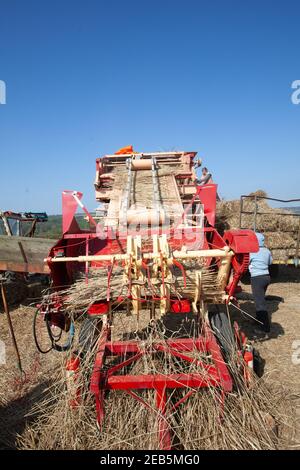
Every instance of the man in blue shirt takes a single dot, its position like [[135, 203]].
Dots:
[[260, 280]]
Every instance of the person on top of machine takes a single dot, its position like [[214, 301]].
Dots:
[[206, 177], [260, 280]]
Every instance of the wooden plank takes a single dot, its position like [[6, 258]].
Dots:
[[24, 254], [24, 267]]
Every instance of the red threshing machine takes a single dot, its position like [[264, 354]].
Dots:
[[156, 224]]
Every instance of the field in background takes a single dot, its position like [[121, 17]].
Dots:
[[52, 228]]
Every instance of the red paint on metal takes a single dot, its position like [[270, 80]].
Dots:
[[208, 196], [105, 377], [69, 208], [242, 241], [99, 308], [180, 306]]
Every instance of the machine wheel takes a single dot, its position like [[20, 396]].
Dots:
[[87, 334], [222, 329], [274, 271], [258, 363]]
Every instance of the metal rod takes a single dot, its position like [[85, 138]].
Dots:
[[286, 214], [10, 325], [167, 162], [90, 218], [155, 154], [297, 246], [241, 210], [255, 213], [271, 198], [215, 253]]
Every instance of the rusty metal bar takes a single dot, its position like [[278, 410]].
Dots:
[[255, 214], [241, 210], [271, 198], [297, 246], [10, 325]]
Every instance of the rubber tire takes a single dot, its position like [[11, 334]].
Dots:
[[87, 333], [223, 332], [258, 363], [274, 271]]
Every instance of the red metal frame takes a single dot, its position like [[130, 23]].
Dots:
[[242, 242], [106, 378]]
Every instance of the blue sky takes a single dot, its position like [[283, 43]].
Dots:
[[86, 77]]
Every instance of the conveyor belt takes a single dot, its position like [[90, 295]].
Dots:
[[143, 190]]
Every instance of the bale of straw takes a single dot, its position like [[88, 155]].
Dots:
[[289, 224], [280, 228], [267, 223], [259, 193], [279, 240]]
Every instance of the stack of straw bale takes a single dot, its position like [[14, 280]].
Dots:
[[279, 226]]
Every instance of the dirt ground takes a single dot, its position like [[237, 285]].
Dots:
[[278, 350]]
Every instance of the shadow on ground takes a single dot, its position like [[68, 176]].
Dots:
[[247, 322], [278, 273], [13, 416], [180, 325]]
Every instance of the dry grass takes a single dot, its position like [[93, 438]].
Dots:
[[259, 417], [255, 417]]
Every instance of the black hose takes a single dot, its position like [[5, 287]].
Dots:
[[37, 312], [54, 339]]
